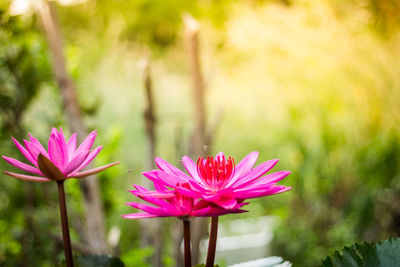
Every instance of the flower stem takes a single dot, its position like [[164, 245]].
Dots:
[[212, 243], [64, 224], [186, 238]]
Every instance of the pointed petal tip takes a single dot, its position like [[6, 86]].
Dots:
[[92, 171], [28, 178], [255, 153]]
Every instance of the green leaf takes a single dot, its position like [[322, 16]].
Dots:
[[98, 261], [382, 254]]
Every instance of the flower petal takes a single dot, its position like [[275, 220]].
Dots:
[[91, 171], [168, 167], [188, 192], [76, 162], [254, 193], [55, 151], [89, 158], [269, 179], [245, 165], [22, 166], [27, 177], [191, 168], [39, 146], [71, 145], [63, 146], [87, 143], [146, 208], [226, 203], [153, 200], [35, 147], [24, 152], [214, 211], [254, 174], [139, 216], [165, 178]]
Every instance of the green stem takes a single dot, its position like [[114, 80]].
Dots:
[[64, 224], [212, 243]]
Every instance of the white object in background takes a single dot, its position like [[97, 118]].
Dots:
[[264, 262]]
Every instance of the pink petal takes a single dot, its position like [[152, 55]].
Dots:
[[150, 199], [139, 216], [214, 211], [35, 147], [188, 192], [159, 189], [87, 143], [165, 178], [154, 194], [191, 168], [91, 171], [55, 151], [211, 197], [89, 158], [226, 203], [198, 187], [71, 145], [76, 162], [253, 193], [268, 179], [168, 167], [24, 152], [22, 166], [146, 208], [245, 165], [255, 173], [63, 146], [27, 177]]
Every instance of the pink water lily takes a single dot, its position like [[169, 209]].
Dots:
[[62, 157], [171, 203], [219, 180]]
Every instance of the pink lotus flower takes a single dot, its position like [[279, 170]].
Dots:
[[62, 160], [171, 203], [218, 180]]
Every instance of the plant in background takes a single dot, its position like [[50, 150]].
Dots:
[[214, 187], [62, 160]]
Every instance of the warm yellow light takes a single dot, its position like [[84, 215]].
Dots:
[[19, 7], [70, 2]]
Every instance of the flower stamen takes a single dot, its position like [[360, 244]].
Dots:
[[215, 172]]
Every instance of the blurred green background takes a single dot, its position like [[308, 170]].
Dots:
[[313, 83]]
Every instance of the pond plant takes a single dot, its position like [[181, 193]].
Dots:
[[61, 161]]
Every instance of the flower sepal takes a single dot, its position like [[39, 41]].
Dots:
[[49, 170]]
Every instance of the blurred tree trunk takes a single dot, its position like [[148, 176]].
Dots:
[[198, 146], [95, 232], [151, 229]]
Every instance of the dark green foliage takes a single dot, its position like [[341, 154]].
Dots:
[[24, 67], [96, 261], [382, 254]]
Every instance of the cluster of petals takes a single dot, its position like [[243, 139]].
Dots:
[[170, 203], [61, 153], [219, 180]]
